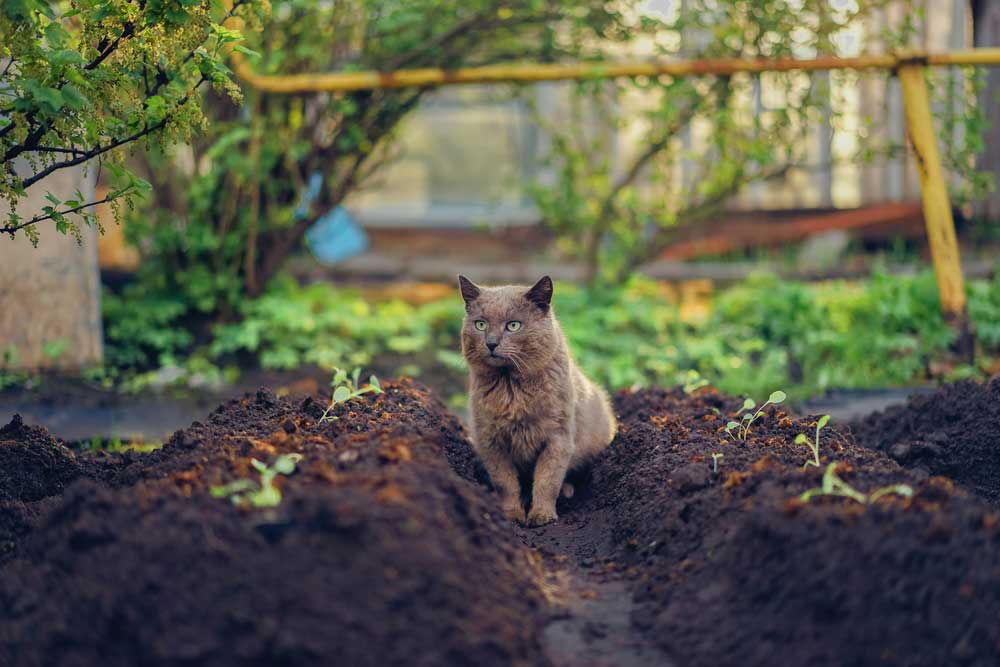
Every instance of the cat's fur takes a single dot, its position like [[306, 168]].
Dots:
[[533, 411]]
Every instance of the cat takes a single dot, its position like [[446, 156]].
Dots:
[[533, 411]]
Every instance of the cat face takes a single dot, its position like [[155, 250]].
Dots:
[[507, 327]]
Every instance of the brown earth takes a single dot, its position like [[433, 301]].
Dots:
[[953, 432], [387, 549], [379, 553], [733, 569]]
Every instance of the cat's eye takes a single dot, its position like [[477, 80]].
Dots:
[[481, 325], [513, 325]]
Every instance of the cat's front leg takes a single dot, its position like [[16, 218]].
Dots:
[[503, 474], [550, 472]]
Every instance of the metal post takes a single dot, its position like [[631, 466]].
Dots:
[[937, 207]]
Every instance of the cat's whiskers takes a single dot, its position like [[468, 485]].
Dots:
[[517, 359]]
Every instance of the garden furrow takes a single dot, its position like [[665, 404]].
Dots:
[[267, 534]]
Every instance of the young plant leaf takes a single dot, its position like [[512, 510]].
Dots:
[[904, 490], [776, 397], [285, 464], [269, 496]]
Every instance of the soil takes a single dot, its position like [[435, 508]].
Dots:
[[379, 554], [953, 432], [389, 549]]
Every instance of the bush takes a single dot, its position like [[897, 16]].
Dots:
[[757, 336]]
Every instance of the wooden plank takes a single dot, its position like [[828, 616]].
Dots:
[[734, 237]]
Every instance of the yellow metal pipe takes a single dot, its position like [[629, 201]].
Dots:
[[527, 73], [937, 208]]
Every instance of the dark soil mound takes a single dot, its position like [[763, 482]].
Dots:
[[731, 568], [385, 549], [379, 554], [953, 432], [33, 464]]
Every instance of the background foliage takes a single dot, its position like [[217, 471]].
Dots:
[[226, 213], [615, 212], [755, 337]]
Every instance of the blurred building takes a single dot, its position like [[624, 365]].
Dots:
[[467, 152]]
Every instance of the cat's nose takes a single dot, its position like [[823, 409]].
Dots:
[[492, 346]]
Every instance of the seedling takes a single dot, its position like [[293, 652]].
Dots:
[[742, 427], [834, 486], [693, 381], [345, 388], [263, 493], [716, 457], [813, 445]]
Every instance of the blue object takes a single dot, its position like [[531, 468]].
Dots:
[[309, 196], [336, 237]]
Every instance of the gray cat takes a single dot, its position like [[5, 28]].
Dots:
[[532, 408]]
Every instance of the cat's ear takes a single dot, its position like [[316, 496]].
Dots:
[[540, 293], [470, 290]]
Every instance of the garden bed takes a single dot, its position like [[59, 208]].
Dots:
[[388, 549], [379, 553], [954, 432]]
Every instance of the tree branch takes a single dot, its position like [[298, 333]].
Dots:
[[12, 229], [83, 156], [607, 210], [128, 31], [88, 155]]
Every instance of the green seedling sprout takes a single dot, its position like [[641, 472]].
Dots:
[[832, 485], [716, 457], [813, 445], [263, 493], [693, 382], [742, 427], [345, 388]]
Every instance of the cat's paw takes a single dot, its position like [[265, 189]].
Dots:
[[515, 514], [540, 517]]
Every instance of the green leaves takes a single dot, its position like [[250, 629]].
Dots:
[[833, 485], [49, 100], [262, 494], [93, 77], [346, 388], [813, 445], [742, 427]]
